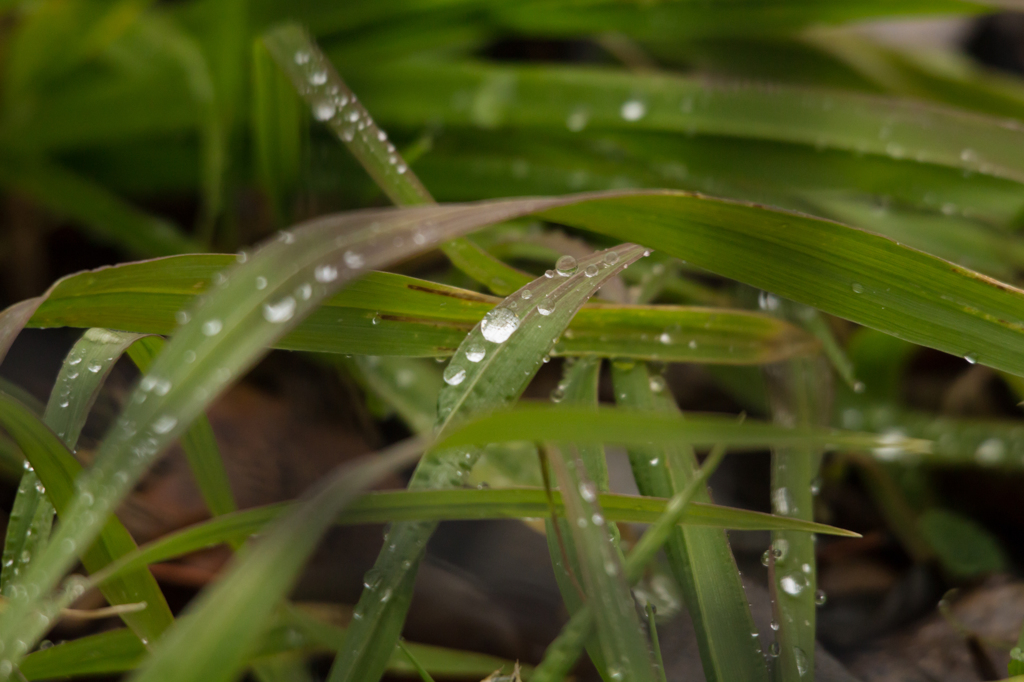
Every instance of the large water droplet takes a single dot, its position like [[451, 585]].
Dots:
[[590, 271], [588, 491], [611, 258], [281, 311], [212, 327], [499, 324], [318, 77], [566, 265], [324, 110]]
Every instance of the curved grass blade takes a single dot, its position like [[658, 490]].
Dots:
[[259, 302], [800, 396], [78, 384], [546, 96], [334, 104], [701, 560], [198, 442], [624, 651], [59, 472], [408, 385], [70, 401], [492, 367], [220, 633], [389, 314]]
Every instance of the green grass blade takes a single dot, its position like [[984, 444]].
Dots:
[[701, 559], [799, 394], [59, 471], [336, 105], [623, 647], [448, 505], [198, 442], [579, 386], [227, 333], [548, 96], [78, 384], [389, 314], [423, 672], [562, 653], [534, 421], [492, 367], [222, 633]]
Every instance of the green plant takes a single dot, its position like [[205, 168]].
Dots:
[[865, 184]]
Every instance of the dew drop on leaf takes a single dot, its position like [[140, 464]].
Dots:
[[325, 273], [475, 352], [566, 265], [212, 327], [282, 311], [453, 375], [499, 324]]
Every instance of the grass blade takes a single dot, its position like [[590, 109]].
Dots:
[[701, 559], [486, 372], [547, 96], [389, 314], [217, 638], [623, 647], [797, 400], [336, 105], [58, 471], [447, 505]]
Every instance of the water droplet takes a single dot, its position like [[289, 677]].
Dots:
[[857, 287], [261, 283], [454, 375], [324, 110], [304, 291], [301, 58], [318, 77], [376, 320], [782, 502], [212, 327], [475, 352], [164, 424], [282, 311], [590, 271], [566, 265], [325, 273], [859, 387], [971, 358], [611, 258], [766, 557], [657, 384], [588, 491], [820, 597], [182, 317], [189, 356], [633, 110], [353, 259], [793, 584], [780, 548], [499, 324], [526, 294], [774, 650], [64, 403], [1017, 654], [803, 666], [665, 338], [546, 306], [816, 485], [372, 579], [95, 367], [558, 395]]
